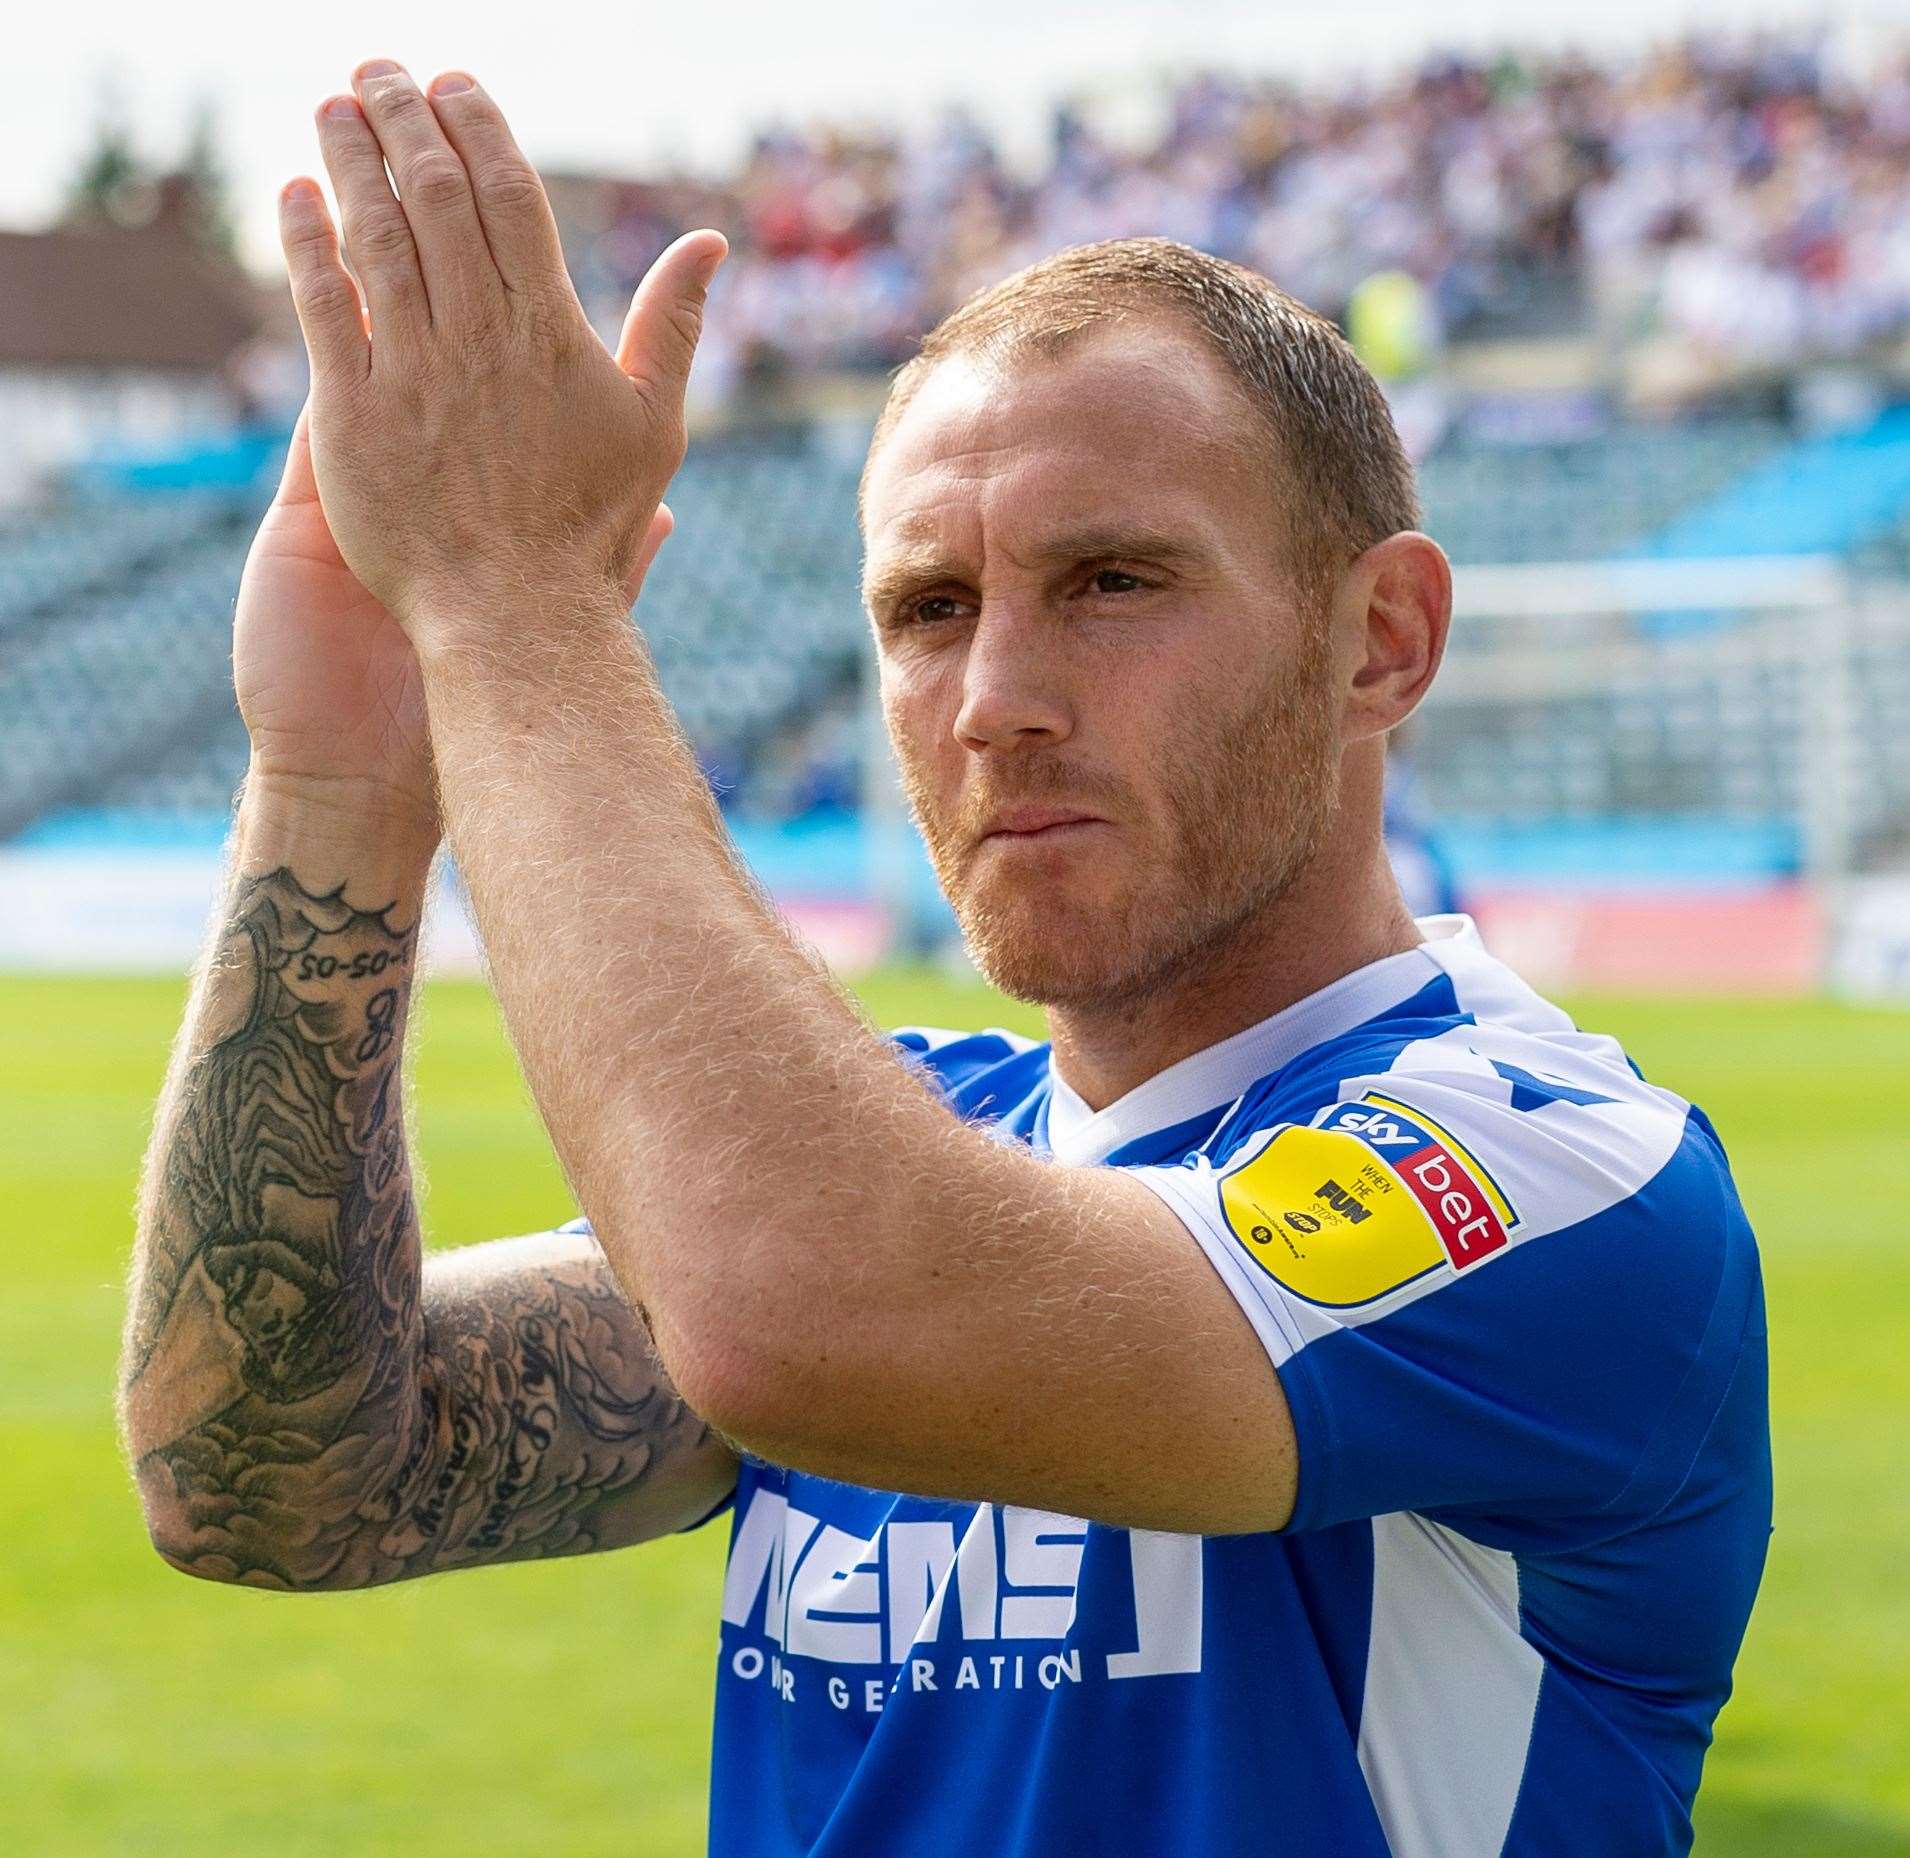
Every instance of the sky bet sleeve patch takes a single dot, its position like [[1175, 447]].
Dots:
[[1371, 1198]]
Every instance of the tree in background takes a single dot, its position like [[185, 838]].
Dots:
[[116, 184], [206, 187]]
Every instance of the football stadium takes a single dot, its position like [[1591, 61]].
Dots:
[[1640, 310]]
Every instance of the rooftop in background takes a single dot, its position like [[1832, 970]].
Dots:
[[119, 297]]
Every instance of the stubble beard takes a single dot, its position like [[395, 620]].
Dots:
[[1247, 801]]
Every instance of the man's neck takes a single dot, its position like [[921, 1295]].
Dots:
[[1321, 928]]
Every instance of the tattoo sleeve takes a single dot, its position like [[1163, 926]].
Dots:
[[309, 1404]]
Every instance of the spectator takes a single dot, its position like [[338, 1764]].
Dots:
[[1749, 199]]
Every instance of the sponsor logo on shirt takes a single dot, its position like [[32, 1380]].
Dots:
[[917, 1609], [1370, 1199]]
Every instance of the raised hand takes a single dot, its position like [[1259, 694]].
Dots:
[[327, 681], [328, 684], [473, 435]]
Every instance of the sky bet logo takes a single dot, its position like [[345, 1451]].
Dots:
[[1369, 1200], [915, 1609], [1471, 1216]]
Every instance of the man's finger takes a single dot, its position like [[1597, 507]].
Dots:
[[511, 200], [323, 293], [377, 234], [666, 317], [433, 190]]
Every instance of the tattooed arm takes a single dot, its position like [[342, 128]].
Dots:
[[309, 1404]]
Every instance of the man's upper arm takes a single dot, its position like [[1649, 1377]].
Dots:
[[1468, 1295], [1497, 1299], [531, 1419], [548, 1426], [1072, 1351]]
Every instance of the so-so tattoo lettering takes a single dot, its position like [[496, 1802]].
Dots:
[[311, 1405]]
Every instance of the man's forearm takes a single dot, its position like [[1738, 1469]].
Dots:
[[273, 1336], [722, 1113], [839, 1275]]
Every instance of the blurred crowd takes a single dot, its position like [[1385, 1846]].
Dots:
[[1750, 198]]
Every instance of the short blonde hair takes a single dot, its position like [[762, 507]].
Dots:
[[1337, 465]]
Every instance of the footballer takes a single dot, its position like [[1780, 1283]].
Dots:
[[1313, 1403]]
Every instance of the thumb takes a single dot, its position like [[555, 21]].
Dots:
[[662, 525], [298, 483], [666, 316]]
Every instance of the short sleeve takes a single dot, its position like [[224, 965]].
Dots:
[[1502, 1302], [981, 1076]]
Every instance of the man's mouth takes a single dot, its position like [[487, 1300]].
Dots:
[[1042, 824]]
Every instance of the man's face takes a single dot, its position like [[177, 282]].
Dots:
[[1111, 706]]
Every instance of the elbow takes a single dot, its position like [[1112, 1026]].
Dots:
[[720, 1339], [787, 1363], [170, 1525], [186, 1485], [810, 1398], [213, 1534], [207, 1535], [735, 1385], [223, 1574], [209, 1549], [164, 1504]]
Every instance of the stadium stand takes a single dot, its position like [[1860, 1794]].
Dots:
[[1558, 222], [115, 630], [115, 637], [1722, 207], [1584, 499], [1827, 495], [115, 694]]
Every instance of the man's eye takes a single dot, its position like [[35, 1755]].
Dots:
[[929, 610], [1114, 581]]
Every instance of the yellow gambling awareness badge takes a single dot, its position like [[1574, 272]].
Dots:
[[1333, 1216]]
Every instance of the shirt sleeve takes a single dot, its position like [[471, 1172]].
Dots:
[[1507, 1306]]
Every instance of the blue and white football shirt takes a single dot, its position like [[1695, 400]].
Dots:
[[1515, 1307]]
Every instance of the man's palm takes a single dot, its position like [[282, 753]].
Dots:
[[327, 682]]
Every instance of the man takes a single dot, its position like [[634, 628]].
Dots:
[[1370, 1456]]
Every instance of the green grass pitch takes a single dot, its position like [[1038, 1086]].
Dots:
[[565, 1708]]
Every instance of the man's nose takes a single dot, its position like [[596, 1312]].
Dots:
[[1015, 692]]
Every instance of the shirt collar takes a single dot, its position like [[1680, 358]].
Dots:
[[1206, 1079]]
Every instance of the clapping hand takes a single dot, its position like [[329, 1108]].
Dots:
[[467, 431]]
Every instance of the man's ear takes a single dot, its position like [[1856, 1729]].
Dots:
[[1394, 607]]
